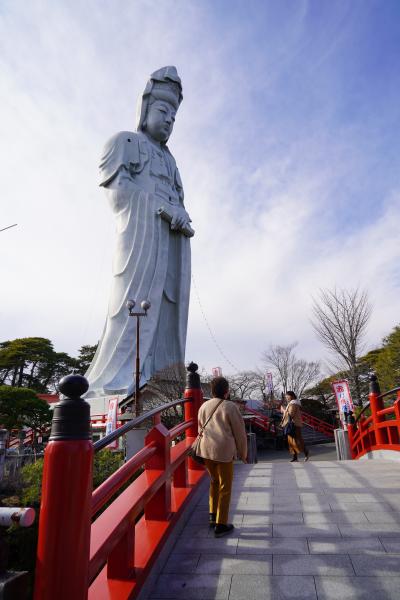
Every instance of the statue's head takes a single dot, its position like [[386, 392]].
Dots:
[[159, 104]]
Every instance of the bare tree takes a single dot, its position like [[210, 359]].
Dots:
[[290, 372], [340, 319], [243, 385], [169, 383]]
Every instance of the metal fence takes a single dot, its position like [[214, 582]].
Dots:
[[13, 461]]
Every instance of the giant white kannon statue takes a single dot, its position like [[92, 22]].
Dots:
[[152, 254]]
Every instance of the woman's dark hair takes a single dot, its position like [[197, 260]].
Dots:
[[219, 387], [292, 395]]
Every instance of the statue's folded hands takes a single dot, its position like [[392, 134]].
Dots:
[[180, 217], [166, 214]]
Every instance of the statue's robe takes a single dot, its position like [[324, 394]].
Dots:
[[151, 262]]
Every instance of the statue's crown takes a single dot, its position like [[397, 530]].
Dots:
[[166, 85], [169, 85]]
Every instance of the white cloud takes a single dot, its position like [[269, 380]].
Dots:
[[273, 192]]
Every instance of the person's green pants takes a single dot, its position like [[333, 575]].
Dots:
[[221, 475]]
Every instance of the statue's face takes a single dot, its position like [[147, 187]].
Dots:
[[160, 120]]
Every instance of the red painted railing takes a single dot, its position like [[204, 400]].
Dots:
[[29, 439], [318, 424], [262, 421], [381, 430], [85, 555], [267, 424], [14, 441]]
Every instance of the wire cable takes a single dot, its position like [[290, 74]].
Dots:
[[212, 335]]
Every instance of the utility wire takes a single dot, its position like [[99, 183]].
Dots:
[[222, 353], [9, 227]]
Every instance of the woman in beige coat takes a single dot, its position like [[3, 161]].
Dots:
[[223, 439], [296, 442]]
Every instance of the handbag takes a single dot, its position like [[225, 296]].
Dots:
[[289, 428], [193, 451]]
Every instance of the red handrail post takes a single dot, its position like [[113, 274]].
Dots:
[[121, 561], [363, 442], [65, 516], [396, 407], [158, 508], [181, 475], [350, 433], [376, 404], [194, 394]]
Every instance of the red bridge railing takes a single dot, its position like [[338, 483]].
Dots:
[[379, 431], [262, 421], [318, 424], [267, 424], [86, 555]]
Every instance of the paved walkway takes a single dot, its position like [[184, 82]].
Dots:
[[308, 531], [318, 452]]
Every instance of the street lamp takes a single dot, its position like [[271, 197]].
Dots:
[[130, 305]]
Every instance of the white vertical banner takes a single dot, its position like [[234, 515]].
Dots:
[[216, 372], [343, 398], [111, 423], [269, 384]]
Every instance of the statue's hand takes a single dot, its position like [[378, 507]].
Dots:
[[180, 218]]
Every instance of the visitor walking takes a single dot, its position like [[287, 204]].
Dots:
[[222, 440], [292, 412]]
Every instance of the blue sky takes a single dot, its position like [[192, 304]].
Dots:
[[287, 141]]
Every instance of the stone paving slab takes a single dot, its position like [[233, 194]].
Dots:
[[329, 564], [181, 563], [337, 517], [359, 588], [364, 507], [376, 564], [346, 546], [227, 545], [254, 531], [391, 545], [187, 587], [235, 565], [367, 529], [272, 546], [250, 520], [309, 531], [256, 587]]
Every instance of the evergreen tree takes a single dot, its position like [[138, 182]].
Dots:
[[387, 363], [85, 357], [20, 407]]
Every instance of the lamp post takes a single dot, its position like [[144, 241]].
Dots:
[[130, 305]]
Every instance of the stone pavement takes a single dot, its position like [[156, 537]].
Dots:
[[306, 531], [318, 452]]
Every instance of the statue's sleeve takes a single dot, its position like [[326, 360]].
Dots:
[[179, 186], [121, 151]]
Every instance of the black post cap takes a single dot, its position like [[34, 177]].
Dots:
[[71, 416], [374, 384], [192, 378]]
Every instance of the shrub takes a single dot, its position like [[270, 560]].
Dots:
[[105, 464]]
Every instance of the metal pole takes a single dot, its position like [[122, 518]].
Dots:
[[137, 392]]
